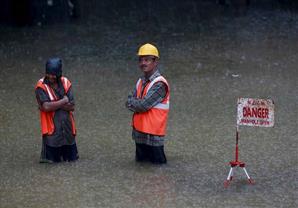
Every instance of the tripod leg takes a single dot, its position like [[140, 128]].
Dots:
[[232, 174], [229, 178], [249, 178]]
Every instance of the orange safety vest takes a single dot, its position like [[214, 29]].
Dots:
[[153, 121], [47, 118]]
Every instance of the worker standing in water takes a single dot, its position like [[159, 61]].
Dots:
[[56, 104], [150, 103]]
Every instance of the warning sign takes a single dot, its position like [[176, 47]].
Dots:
[[255, 112]]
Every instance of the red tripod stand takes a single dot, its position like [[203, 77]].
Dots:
[[236, 163]]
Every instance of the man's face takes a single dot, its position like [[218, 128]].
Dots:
[[52, 78], [147, 63]]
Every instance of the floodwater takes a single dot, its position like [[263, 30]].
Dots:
[[208, 68]]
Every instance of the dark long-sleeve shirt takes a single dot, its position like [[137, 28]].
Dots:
[[63, 128]]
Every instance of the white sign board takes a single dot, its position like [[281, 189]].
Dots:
[[255, 112]]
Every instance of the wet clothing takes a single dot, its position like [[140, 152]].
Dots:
[[148, 146], [61, 144], [47, 118], [58, 154], [154, 154]]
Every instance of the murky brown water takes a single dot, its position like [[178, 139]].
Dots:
[[100, 60]]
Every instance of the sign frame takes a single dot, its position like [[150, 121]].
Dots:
[[255, 112]]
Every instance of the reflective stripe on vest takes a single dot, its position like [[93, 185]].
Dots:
[[66, 84], [162, 106], [154, 120], [48, 90], [166, 102]]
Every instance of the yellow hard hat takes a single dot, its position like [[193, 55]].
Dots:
[[148, 50]]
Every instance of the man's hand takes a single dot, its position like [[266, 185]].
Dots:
[[128, 103], [68, 107], [55, 105], [65, 99]]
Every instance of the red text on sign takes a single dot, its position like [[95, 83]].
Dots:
[[255, 122], [255, 112]]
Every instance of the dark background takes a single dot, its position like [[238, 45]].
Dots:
[[31, 12]]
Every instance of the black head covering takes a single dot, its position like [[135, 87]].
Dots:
[[54, 66]]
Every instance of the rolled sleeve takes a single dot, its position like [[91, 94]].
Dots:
[[70, 96], [41, 96]]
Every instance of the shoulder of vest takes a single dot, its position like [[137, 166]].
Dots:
[[138, 82], [66, 83], [65, 78], [40, 83], [160, 79]]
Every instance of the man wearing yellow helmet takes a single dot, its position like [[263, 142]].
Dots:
[[150, 103]]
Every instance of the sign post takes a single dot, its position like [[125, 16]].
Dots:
[[250, 112]]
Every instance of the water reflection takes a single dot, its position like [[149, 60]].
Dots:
[[156, 190]]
